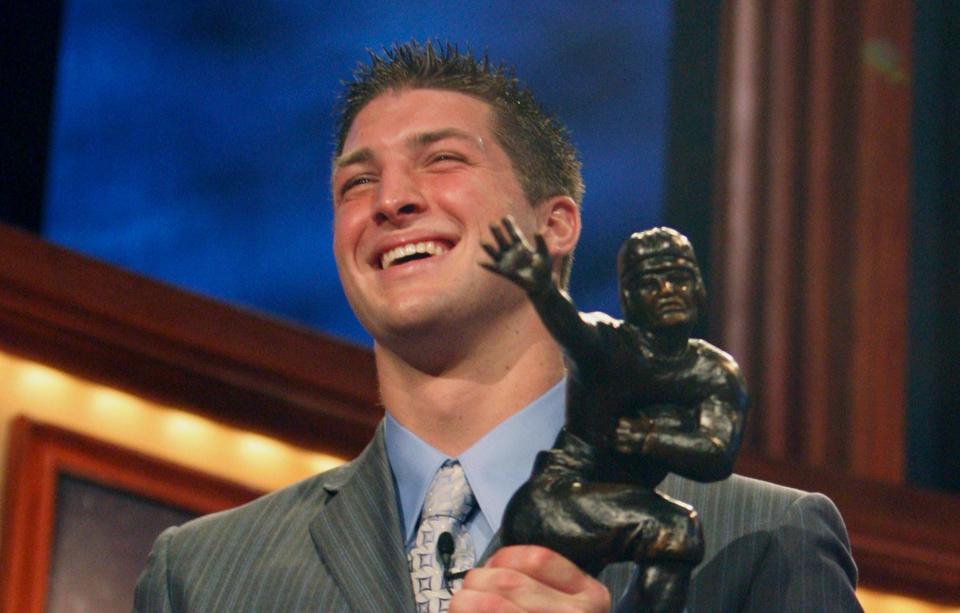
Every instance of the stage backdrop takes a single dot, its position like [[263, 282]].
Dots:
[[191, 140]]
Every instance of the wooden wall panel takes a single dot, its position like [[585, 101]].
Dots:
[[821, 346], [778, 233], [881, 243], [812, 227], [173, 347], [739, 101]]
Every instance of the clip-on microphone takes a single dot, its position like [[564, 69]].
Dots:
[[445, 547]]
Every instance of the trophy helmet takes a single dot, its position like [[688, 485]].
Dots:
[[658, 249]]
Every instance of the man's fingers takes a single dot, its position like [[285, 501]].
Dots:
[[543, 565], [503, 585], [469, 601], [530, 578], [489, 589]]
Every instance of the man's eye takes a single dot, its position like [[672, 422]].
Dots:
[[354, 182], [445, 156]]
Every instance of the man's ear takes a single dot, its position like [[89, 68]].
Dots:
[[559, 224]]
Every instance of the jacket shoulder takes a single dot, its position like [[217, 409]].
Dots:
[[733, 507], [766, 543], [302, 497], [216, 561]]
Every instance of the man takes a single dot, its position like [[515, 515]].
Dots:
[[434, 146], [643, 400]]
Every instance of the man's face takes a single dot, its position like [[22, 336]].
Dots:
[[420, 180], [659, 297]]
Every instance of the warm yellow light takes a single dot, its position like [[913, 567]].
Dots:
[[38, 379], [183, 427], [108, 412], [318, 463], [883, 602], [257, 447], [110, 403], [165, 432]]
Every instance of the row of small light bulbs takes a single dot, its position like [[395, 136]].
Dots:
[[52, 396]]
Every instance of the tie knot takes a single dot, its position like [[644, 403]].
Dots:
[[449, 493]]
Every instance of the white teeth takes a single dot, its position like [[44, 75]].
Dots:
[[428, 247]]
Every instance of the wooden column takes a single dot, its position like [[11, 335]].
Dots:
[[811, 231], [881, 264]]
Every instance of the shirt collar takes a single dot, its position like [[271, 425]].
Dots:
[[495, 466]]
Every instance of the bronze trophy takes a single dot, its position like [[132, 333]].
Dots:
[[643, 399]]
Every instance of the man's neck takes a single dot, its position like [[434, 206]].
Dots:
[[453, 402]]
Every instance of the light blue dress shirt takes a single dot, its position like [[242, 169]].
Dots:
[[495, 466]]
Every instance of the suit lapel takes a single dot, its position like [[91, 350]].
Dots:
[[357, 534]]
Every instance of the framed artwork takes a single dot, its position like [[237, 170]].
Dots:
[[80, 516]]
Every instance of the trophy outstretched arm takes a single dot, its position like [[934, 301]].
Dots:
[[531, 268]]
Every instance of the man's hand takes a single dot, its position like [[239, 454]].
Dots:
[[514, 259], [530, 578], [631, 434]]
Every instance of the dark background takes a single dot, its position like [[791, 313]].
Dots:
[[189, 141]]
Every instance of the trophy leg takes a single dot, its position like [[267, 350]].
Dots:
[[665, 554], [667, 531], [663, 587]]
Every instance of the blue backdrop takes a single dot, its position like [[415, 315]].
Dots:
[[191, 139]]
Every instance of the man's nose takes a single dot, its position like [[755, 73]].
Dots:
[[400, 200]]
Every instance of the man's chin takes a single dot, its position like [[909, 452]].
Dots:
[[413, 322]]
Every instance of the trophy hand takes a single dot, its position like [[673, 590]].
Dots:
[[513, 258], [631, 434]]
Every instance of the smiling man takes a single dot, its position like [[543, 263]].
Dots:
[[423, 166], [433, 147]]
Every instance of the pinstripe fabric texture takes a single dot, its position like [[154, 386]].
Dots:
[[768, 548], [333, 543], [330, 543]]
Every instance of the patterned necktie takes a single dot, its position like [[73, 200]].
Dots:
[[448, 503]]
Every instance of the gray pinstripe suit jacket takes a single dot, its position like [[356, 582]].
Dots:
[[333, 543]]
